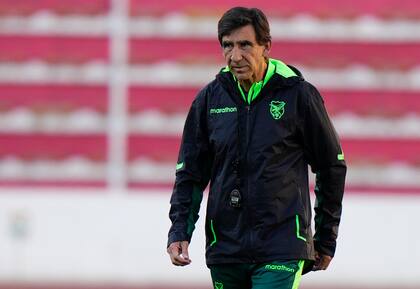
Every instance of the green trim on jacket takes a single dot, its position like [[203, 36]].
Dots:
[[274, 66]]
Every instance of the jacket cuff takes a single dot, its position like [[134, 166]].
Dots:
[[325, 248], [177, 237]]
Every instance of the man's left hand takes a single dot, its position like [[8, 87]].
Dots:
[[321, 261]]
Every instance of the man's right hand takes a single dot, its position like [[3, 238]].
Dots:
[[178, 251]]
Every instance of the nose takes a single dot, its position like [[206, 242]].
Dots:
[[236, 55]]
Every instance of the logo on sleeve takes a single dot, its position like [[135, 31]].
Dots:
[[179, 166], [277, 108]]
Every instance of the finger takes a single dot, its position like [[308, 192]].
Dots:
[[183, 257], [325, 262], [174, 249], [316, 262], [175, 252], [184, 249], [180, 260], [322, 263]]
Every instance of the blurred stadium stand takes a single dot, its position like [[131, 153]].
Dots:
[[55, 89], [61, 73]]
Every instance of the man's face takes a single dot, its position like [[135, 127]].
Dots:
[[244, 56]]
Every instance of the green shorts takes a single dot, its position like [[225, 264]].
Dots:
[[272, 275]]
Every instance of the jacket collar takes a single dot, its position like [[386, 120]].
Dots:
[[278, 75]]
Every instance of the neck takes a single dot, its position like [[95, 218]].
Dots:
[[258, 76]]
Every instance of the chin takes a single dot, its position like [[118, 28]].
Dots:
[[242, 76]]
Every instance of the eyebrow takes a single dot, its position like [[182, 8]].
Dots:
[[240, 42], [245, 42]]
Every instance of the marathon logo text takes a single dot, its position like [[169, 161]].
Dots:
[[279, 268], [223, 110]]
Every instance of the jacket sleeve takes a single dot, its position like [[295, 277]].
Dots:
[[192, 174], [326, 158]]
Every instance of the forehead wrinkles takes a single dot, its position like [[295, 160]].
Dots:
[[242, 33]]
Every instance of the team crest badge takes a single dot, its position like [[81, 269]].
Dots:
[[277, 109]]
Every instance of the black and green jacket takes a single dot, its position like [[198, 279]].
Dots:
[[260, 144]]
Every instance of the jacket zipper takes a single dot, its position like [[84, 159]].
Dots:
[[250, 213]]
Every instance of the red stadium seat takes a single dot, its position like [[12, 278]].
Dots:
[[53, 183], [26, 7], [53, 97], [382, 151], [360, 150], [165, 99], [361, 102], [157, 148], [285, 8], [372, 102], [328, 54], [53, 49], [53, 146]]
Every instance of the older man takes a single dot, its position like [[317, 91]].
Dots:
[[251, 133]]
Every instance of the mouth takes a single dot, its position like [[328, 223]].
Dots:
[[239, 69]]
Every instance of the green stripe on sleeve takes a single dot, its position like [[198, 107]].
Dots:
[[197, 196]]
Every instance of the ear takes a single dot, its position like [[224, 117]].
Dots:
[[267, 48]]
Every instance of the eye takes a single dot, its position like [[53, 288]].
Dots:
[[227, 46], [245, 45]]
